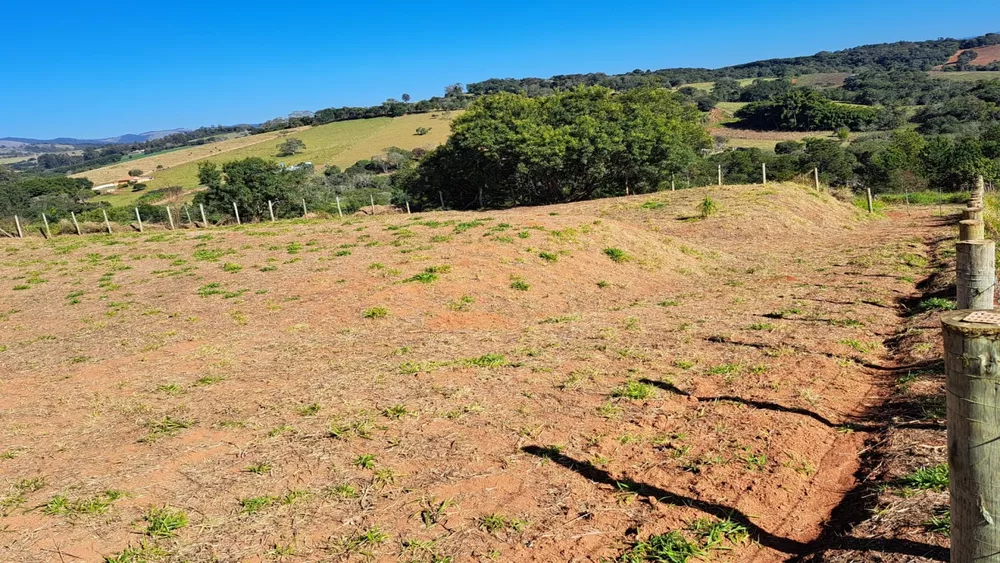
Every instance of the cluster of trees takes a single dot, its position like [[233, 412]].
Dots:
[[511, 149], [29, 196], [803, 109], [920, 55]]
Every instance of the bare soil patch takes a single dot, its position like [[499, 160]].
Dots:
[[539, 384]]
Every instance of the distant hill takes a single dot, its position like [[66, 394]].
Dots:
[[127, 138]]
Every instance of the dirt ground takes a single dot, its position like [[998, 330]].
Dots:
[[554, 383]]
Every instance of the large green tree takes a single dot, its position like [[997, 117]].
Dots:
[[249, 183], [509, 149]]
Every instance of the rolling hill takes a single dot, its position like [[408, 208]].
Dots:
[[342, 144]]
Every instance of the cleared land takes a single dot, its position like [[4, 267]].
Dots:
[[538, 384], [342, 144], [984, 55]]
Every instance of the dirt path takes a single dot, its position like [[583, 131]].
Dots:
[[541, 384]]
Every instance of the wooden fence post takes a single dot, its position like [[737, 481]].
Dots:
[[187, 211], [170, 217], [971, 230], [441, 195], [236, 209], [17, 222], [339, 212], [816, 178], [270, 209], [763, 171], [973, 382], [139, 219], [408, 207], [304, 210], [107, 224], [48, 233], [975, 269], [204, 221], [871, 205], [720, 174], [75, 224], [671, 184], [372, 196]]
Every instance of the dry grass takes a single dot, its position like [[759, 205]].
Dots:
[[269, 410]]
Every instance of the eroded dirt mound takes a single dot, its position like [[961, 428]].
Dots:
[[539, 384]]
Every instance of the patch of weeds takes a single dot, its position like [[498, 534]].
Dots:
[[166, 426], [97, 504], [708, 207], [784, 313], [462, 227], [429, 275], [487, 361], [433, 511], [940, 523], [755, 462], [209, 380], [214, 288], [395, 412], [495, 523], [714, 533], [609, 410], [231, 267], [279, 430], [258, 468], [684, 364], [603, 284], [365, 461], [761, 326], [206, 255], [671, 547], [308, 410], [669, 303], [926, 478], [937, 304], [464, 303], [634, 390], [142, 553], [548, 257], [376, 313], [617, 255], [343, 491], [253, 505], [518, 283], [559, 320], [164, 522], [862, 347]]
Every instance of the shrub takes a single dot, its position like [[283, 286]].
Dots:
[[708, 207]]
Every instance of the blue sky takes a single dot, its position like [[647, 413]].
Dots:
[[93, 70]]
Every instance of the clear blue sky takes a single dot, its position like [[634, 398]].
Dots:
[[88, 70]]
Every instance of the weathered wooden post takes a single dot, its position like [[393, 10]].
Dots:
[[304, 210], [237, 211], [75, 224], [204, 221], [975, 279], [972, 213], [339, 212], [48, 233], [763, 171], [816, 178], [672, 184], [408, 207], [270, 209], [107, 224], [138, 218], [720, 174], [170, 217], [187, 211], [971, 350], [372, 196], [971, 230], [17, 223], [441, 195], [871, 205]]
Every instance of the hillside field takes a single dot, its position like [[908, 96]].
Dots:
[[342, 143], [538, 384]]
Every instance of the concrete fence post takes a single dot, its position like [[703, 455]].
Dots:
[[972, 213], [763, 171], [75, 224], [339, 212], [187, 211], [441, 195], [107, 224], [969, 229], [45, 220], [408, 207], [305, 211], [871, 204], [973, 383], [372, 196], [204, 221], [816, 178], [975, 274], [720, 174], [237, 211], [170, 218], [17, 223], [270, 209], [138, 218]]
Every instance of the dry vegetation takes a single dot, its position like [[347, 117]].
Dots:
[[541, 384]]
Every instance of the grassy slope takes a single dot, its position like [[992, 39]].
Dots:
[[342, 143]]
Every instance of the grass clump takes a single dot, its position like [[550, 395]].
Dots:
[[97, 504], [164, 522], [671, 547], [617, 255], [708, 207], [518, 283], [548, 256], [487, 361], [376, 313], [634, 390], [926, 478], [937, 304]]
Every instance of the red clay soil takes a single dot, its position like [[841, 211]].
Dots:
[[569, 380], [984, 55]]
